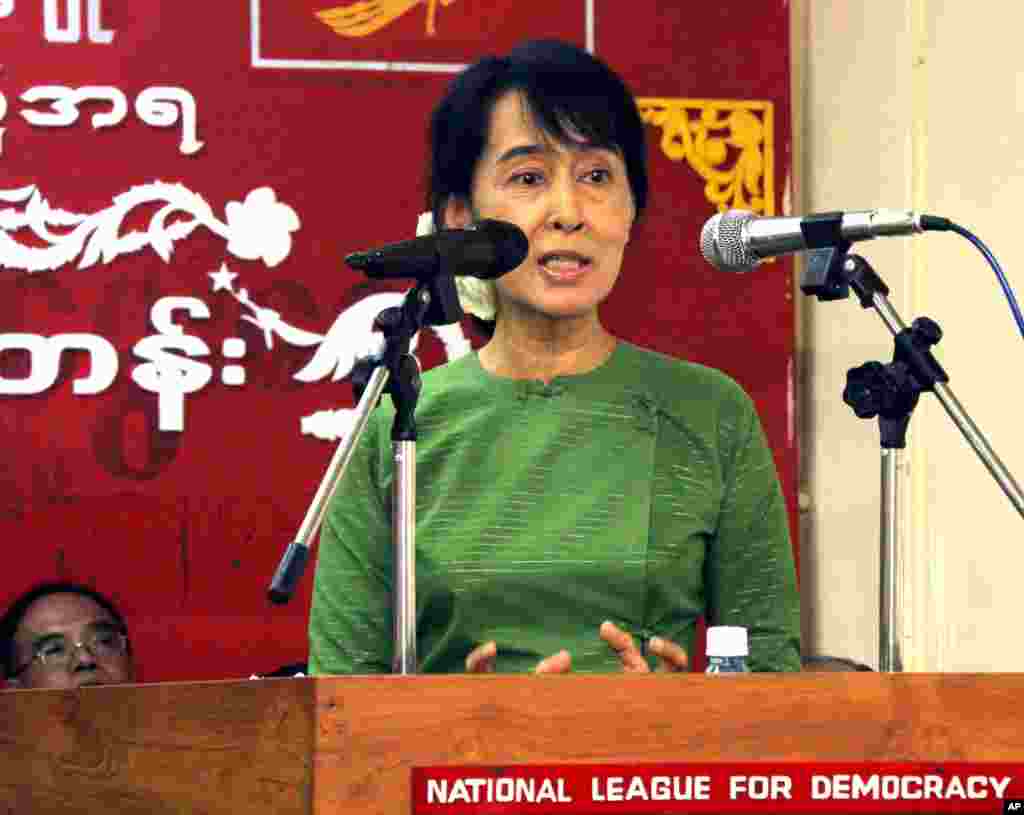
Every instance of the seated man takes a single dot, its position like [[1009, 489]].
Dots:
[[64, 635]]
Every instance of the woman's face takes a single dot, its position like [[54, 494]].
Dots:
[[573, 202]]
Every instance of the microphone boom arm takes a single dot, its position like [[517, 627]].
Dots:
[[890, 392], [431, 302]]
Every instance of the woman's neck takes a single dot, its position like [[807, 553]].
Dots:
[[544, 351]]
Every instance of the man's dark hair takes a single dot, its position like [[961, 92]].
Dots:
[[15, 613], [569, 93], [825, 664]]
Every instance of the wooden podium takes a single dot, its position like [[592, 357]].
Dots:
[[347, 744]]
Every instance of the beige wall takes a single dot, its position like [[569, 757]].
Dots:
[[914, 104]]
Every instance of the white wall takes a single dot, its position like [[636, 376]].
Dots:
[[915, 104]]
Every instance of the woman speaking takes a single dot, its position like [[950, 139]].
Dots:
[[581, 501]]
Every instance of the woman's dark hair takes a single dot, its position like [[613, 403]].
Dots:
[[569, 93], [15, 613]]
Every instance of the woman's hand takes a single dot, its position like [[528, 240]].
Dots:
[[671, 657], [481, 661]]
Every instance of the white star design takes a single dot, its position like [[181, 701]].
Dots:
[[223, 279]]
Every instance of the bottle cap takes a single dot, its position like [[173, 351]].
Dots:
[[727, 641]]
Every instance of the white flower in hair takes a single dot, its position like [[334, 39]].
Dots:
[[477, 297], [424, 224]]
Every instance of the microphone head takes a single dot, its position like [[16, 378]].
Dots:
[[485, 249], [503, 250], [722, 242]]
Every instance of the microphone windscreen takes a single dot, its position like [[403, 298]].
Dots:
[[485, 249], [503, 249], [722, 244]]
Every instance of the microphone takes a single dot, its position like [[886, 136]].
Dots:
[[737, 240], [486, 249]]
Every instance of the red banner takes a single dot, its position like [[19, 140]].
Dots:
[[421, 34], [721, 787], [179, 183]]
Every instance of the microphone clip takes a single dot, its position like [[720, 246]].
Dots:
[[399, 325], [889, 391], [824, 276]]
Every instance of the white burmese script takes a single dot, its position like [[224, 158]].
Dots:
[[158, 106]]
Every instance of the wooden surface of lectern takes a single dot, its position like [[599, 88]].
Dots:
[[348, 744]]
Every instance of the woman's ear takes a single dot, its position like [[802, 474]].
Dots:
[[458, 214]]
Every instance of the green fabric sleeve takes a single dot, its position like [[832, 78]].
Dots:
[[750, 574], [350, 619]]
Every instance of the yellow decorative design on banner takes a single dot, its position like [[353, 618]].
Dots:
[[368, 16], [731, 144]]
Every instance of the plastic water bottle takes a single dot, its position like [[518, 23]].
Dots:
[[727, 650]]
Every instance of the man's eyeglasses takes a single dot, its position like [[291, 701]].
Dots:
[[55, 651]]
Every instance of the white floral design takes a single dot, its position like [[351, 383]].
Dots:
[[261, 227], [258, 228]]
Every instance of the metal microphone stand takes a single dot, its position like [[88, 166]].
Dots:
[[432, 302], [891, 392]]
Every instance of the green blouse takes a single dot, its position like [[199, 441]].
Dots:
[[642, 492]]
